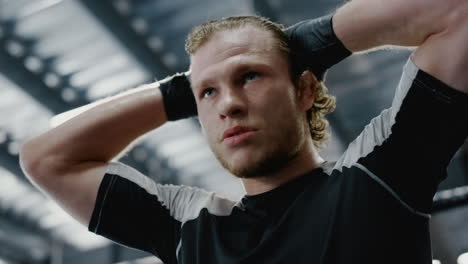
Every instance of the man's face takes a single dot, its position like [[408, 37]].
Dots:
[[246, 102]]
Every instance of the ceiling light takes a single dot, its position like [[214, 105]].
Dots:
[[52, 80], [155, 43], [15, 48], [33, 64], [69, 95], [13, 148], [140, 25], [170, 59], [463, 258], [122, 6]]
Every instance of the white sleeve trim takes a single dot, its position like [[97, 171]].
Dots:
[[379, 129], [183, 202]]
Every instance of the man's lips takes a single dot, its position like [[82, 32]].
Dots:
[[238, 139], [235, 131]]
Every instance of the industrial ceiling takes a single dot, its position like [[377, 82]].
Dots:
[[56, 55]]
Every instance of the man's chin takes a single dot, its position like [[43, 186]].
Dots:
[[256, 168], [257, 161]]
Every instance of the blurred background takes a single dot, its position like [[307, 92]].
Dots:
[[56, 55]]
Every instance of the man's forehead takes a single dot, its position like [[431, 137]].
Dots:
[[243, 42], [252, 36]]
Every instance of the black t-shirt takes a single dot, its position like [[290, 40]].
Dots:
[[370, 206]]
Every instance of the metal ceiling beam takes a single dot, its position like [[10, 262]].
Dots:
[[136, 44], [119, 25], [12, 66]]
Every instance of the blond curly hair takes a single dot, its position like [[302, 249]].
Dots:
[[324, 103]]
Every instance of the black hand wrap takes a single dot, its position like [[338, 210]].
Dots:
[[178, 98], [315, 47]]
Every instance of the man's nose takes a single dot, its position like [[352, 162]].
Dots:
[[232, 104]]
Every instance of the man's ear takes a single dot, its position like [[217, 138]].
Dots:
[[307, 85]]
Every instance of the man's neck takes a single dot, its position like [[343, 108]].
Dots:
[[305, 161]]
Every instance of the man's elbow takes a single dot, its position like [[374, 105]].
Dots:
[[27, 163], [36, 166]]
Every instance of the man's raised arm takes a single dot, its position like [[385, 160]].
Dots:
[[408, 147], [439, 28], [68, 162]]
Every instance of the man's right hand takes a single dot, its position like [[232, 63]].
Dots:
[[315, 47]]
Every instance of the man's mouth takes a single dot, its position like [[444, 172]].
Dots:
[[235, 131], [236, 135]]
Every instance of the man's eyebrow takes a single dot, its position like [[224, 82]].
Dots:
[[239, 67], [243, 67], [202, 83]]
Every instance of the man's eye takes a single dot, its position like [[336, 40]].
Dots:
[[251, 76], [208, 92]]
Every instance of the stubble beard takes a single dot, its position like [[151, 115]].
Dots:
[[286, 148]]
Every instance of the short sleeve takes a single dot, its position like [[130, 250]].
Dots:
[[133, 210], [410, 145]]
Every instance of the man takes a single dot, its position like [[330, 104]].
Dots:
[[254, 100]]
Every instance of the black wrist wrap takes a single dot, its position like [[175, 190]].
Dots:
[[315, 47], [178, 98]]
